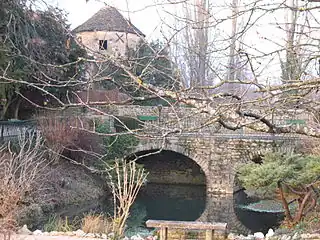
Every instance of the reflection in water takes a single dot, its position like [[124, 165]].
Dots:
[[173, 202], [190, 203], [254, 220]]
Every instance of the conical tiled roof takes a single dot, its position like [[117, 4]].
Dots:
[[108, 19]]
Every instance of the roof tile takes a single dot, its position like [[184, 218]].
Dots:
[[108, 19]]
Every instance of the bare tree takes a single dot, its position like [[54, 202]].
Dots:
[[262, 97], [125, 181], [193, 44], [232, 62], [20, 172]]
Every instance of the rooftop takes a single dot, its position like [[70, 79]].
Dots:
[[108, 19]]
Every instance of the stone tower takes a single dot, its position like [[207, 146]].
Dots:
[[108, 32]]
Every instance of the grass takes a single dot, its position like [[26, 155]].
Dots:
[[56, 223], [92, 223]]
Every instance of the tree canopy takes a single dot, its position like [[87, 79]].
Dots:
[[38, 58], [150, 62], [294, 169]]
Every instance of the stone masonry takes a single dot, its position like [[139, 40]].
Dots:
[[219, 157], [218, 152]]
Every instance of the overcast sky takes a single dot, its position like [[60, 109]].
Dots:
[[264, 37], [142, 14]]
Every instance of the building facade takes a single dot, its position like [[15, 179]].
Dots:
[[108, 32]]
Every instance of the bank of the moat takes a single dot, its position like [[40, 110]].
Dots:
[[175, 190]]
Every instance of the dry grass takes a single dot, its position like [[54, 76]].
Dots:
[[311, 146], [96, 224], [56, 223], [20, 170]]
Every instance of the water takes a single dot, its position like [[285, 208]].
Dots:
[[255, 215], [172, 202], [189, 203]]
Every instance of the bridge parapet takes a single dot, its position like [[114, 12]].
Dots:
[[162, 119]]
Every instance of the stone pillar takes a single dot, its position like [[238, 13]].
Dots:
[[220, 208]]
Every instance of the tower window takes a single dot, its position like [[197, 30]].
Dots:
[[103, 44]]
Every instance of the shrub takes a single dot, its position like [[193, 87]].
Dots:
[[56, 223], [96, 224], [60, 132], [284, 173], [294, 169], [125, 180], [20, 173], [116, 145]]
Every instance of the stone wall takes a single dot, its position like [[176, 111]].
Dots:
[[115, 45], [169, 167], [218, 157], [175, 177]]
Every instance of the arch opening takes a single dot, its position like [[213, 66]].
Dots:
[[170, 167], [175, 188], [250, 157], [253, 218]]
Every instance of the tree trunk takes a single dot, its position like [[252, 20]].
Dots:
[[232, 68], [284, 203], [5, 110], [202, 39], [196, 40], [299, 213], [16, 110]]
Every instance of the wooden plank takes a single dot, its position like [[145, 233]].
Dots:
[[163, 233], [209, 234], [186, 225]]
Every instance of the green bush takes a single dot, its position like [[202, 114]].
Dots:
[[116, 146], [292, 168]]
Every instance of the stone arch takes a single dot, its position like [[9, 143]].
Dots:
[[168, 145], [249, 151], [199, 199], [174, 146]]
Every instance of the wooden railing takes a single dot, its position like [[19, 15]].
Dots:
[[209, 228], [11, 129]]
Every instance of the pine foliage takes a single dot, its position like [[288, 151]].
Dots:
[[294, 169]]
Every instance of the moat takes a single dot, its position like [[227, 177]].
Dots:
[[190, 203], [176, 190]]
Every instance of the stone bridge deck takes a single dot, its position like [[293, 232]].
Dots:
[[218, 153], [186, 119], [219, 156]]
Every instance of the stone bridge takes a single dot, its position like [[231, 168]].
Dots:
[[217, 151], [219, 156]]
